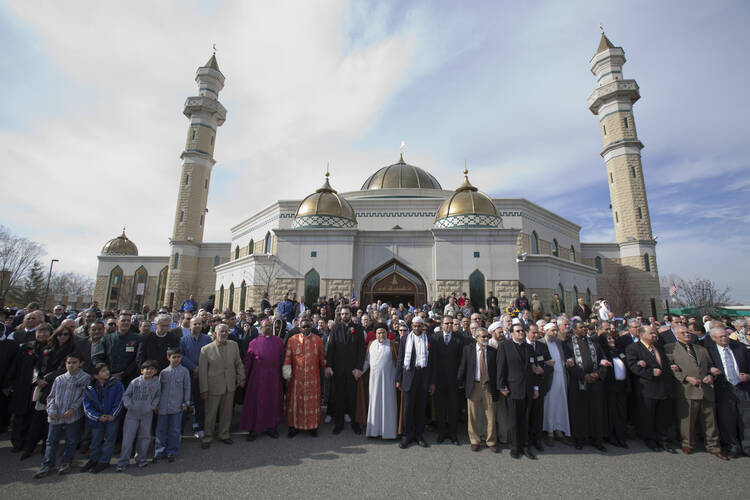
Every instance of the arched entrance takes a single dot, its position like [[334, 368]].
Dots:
[[394, 283]]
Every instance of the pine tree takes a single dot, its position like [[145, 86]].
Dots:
[[33, 285]]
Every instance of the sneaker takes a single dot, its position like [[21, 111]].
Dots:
[[64, 468], [141, 465], [42, 472], [328, 419], [120, 468], [347, 418], [88, 465], [199, 434], [170, 458]]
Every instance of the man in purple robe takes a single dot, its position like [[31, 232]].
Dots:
[[262, 409]]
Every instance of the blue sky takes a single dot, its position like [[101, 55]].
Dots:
[[92, 123]]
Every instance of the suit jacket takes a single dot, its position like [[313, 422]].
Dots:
[[405, 376], [447, 358], [669, 338], [541, 355], [623, 341], [468, 369], [575, 373], [742, 359], [690, 367], [514, 370], [582, 312], [216, 375], [644, 380], [346, 348]]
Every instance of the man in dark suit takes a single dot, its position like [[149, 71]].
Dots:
[[515, 380], [478, 377], [647, 361], [623, 341], [415, 377], [543, 370], [581, 309], [732, 392], [344, 360], [448, 349]]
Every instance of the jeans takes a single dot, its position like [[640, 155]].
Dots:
[[53, 440], [199, 417], [103, 440], [168, 434]]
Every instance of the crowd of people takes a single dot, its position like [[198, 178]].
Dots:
[[524, 378]]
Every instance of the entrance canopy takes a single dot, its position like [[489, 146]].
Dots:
[[394, 283]]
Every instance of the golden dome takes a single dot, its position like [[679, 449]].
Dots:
[[325, 208], [120, 246], [468, 201], [401, 175]]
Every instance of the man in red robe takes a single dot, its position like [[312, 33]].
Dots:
[[303, 361]]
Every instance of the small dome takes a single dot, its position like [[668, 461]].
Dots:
[[401, 175], [120, 246], [325, 208], [467, 207]]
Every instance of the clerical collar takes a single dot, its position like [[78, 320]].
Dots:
[[162, 335]]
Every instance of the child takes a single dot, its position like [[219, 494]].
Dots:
[[63, 413], [102, 404], [141, 399], [175, 398]]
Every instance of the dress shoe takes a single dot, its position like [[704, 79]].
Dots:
[[734, 453], [549, 441], [623, 444], [356, 428], [26, 454], [99, 467], [719, 455], [291, 432], [170, 459], [440, 439], [16, 450], [687, 450], [403, 444], [538, 445], [205, 445], [337, 430], [156, 459], [423, 443], [563, 439], [455, 441], [529, 453], [600, 447], [42, 472], [669, 449], [515, 454], [251, 436], [314, 432], [64, 468], [273, 433], [227, 441], [495, 448], [88, 465], [653, 446], [475, 447], [578, 446]]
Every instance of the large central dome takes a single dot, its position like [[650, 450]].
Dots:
[[401, 175]]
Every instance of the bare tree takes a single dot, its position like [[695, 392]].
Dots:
[[267, 274], [17, 256], [71, 284], [702, 294], [620, 293]]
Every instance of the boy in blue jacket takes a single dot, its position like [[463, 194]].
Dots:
[[102, 405]]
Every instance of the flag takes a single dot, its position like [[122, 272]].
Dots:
[[673, 290]]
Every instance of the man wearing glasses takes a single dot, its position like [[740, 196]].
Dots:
[[477, 376], [448, 350]]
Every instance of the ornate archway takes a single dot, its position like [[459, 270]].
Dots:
[[394, 283]]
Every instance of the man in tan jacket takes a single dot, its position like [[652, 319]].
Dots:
[[691, 365], [220, 372]]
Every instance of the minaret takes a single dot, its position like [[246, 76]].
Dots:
[[613, 102], [206, 114]]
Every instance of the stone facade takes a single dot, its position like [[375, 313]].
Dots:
[[340, 287], [504, 290]]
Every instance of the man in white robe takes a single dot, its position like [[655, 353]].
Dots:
[[382, 413], [556, 421]]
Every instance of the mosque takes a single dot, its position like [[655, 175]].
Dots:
[[401, 237]]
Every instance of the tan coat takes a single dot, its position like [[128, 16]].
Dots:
[[677, 355], [218, 372]]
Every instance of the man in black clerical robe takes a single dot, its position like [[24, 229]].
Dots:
[[586, 366], [344, 360]]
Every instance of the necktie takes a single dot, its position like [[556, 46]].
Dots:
[[447, 339], [483, 368], [655, 353], [690, 351], [732, 376]]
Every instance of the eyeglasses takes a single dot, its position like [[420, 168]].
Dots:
[[403, 330], [484, 336]]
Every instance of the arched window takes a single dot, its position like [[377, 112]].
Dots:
[[113, 292], [221, 298], [598, 264], [237, 252], [267, 243], [139, 288], [588, 296], [561, 292], [161, 287], [575, 293], [555, 248], [230, 305], [646, 263], [476, 289], [217, 261], [572, 253], [175, 260], [250, 247], [312, 287], [534, 243], [243, 295]]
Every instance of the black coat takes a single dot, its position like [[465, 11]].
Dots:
[[576, 375], [346, 348], [541, 355], [742, 360], [405, 376], [468, 369], [623, 341], [447, 357], [644, 381], [514, 370], [154, 348], [20, 375]]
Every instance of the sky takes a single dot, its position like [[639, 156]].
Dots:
[[91, 127]]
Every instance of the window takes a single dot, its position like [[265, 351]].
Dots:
[[313, 253], [243, 295], [611, 178], [572, 253], [604, 129], [230, 305], [250, 247], [640, 213], [237, 252], [312, 287], [561, 291], [476, 255], [632, 171], [192, 138], [267, 244], [187, 179], [113, 294], [217, 261], [212, 140], [534, 243], [555, 248], [139, 288], [575, 294], [201, 220], [588, 296], [221, 298], [161, 287], [646, 263], [175, 261], [617, 217], [182, 215], [476, 289], [206, 184], [598, 264], [625, 121]]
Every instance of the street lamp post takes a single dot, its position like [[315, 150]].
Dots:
[[49, 276]]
